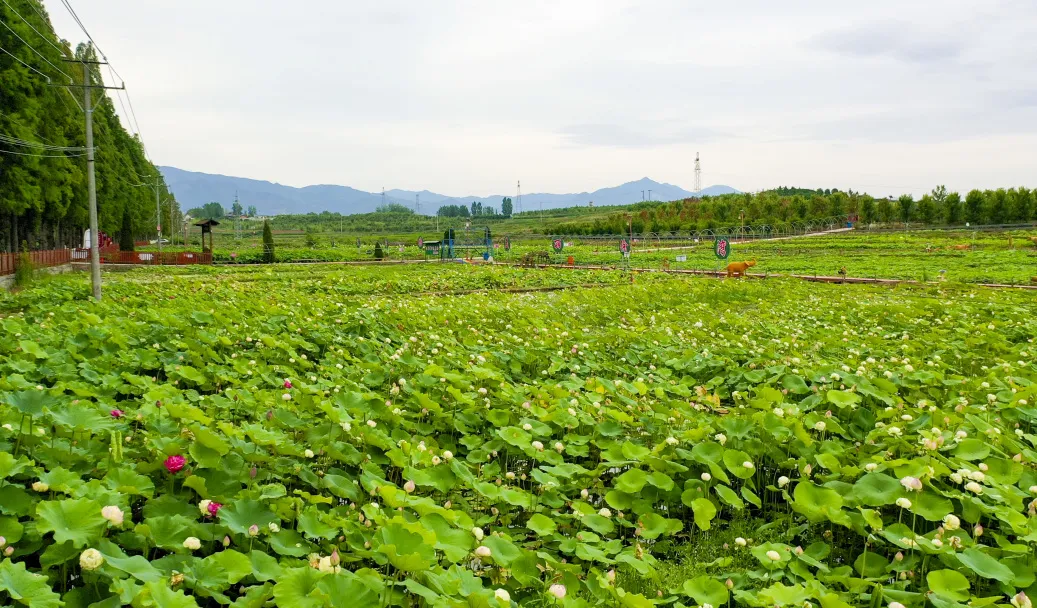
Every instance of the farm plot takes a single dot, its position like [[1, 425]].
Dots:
[[336, 437]]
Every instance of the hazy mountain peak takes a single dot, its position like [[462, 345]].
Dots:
[[194, 189]]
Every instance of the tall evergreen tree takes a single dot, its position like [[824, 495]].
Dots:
[[126, 231], [268, 243], [974, 207]]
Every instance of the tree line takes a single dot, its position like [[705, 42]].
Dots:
[[772, 208], [43, 177]]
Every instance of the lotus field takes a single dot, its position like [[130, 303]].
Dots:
[[314, 436]]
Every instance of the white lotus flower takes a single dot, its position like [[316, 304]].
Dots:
[[774, 556], [705, 477], [748, 465], [911, 483], [308, 453], [502, 595], [91, 559], [605, 512], [903, 503], [113, 514], [192, 543], [672, 441], [871, 466], [740, 541], [557, 590], [477, 533], [721, 438], [483, 551], [1020, 600], [783, 481], [538, 446], [974, 487], [951, 522]]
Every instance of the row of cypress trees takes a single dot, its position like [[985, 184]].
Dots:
[[43, 188]]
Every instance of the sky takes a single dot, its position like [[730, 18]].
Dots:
[[467, 97]]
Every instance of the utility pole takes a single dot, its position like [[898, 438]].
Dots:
[[95, 254], [642, 196], [158, 222], [698, 176], [649, 195], [519, 197]]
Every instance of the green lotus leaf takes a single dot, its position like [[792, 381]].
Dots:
[[877, 489], [704, 511], [706, 590], [25, 587], [408, 547], [298, 587], [241, 514], [78, 520], [735, 461], [541, 524], [984, 565], [631, 481], [949, 583]]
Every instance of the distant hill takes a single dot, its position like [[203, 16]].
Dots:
[[193, 189]]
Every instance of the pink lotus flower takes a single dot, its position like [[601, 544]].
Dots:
[[288, 384], [214, 508], [116, 413], [175, 463]]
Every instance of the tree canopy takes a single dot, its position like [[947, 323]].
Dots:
[[43, 177]]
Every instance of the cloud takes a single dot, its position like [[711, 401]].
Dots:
[[637, 136], [894, 39]]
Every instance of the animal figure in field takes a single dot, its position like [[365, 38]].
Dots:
[[963, 247], [842, 272], [737, 269]]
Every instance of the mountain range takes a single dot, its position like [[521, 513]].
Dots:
[[193, 189]]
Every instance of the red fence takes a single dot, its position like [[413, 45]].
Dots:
[[109, 255], [147, 258], [40, 259]]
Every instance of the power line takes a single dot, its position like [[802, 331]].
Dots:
[[48, 40], [33, 49], [14, 141], [43, 155], [25, 64]]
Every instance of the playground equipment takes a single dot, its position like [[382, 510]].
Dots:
[[451, 247]]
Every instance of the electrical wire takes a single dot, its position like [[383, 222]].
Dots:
[[14, 141], [115, 74], [43, 155], [48, 40], [33, 49], [25, 64]]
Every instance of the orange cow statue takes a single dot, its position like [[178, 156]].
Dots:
[[737, 269], [962, 247]]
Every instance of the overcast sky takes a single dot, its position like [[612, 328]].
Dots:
[[467, 97]]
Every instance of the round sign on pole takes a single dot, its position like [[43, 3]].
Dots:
[[558, 245], [421, 242], [722, 248], [624, 247], [507, 243]]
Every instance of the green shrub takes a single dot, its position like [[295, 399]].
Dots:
[[268, 243], [24, 271], [126, 232], [378, 253]]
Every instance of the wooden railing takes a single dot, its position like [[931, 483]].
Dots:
[[40, 259], [109, 255], [147, 258]]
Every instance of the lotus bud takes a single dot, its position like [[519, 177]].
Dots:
[[253, 530], [226, 541], [1020, 600], [978, 530], [729, 584], [899, 557], [409, 486], [335, 559]]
